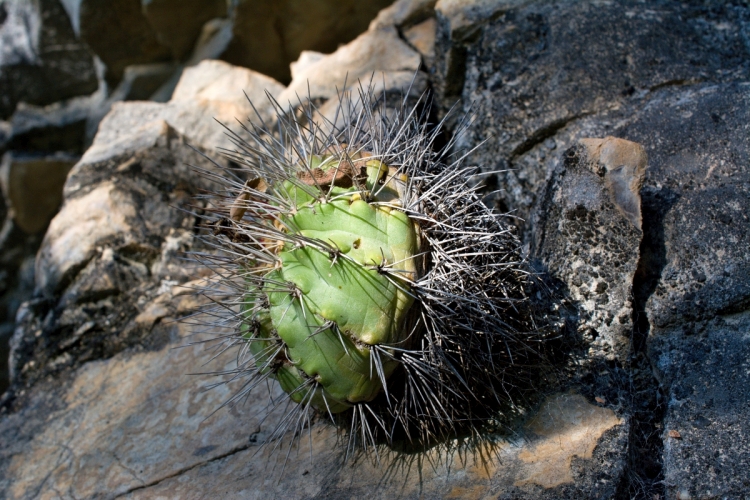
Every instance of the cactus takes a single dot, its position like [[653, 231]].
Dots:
[[361, 270]]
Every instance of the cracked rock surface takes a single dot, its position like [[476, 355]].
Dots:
[[529, 69]]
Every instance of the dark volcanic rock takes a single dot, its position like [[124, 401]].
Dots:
[[706, 431], [532, 69], [41, 60], [696, 277], [587, 234], [672, 76], [657, 278], [698, 190]]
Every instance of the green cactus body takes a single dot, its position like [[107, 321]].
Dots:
[[361, 270], [326, 309]]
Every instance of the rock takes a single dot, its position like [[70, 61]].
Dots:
[[178, 24], [697, 196], [225, 85], [403, 14], [707, 382], [270, 34], [120, 230], [32, 188], [422, 38], [212, 42], [211, 91], [588, 233], [650, 268], [60, 127], [695, 284], [41, 59], [529, 72], [372, 55], [145, 429], [306, 59], [141, 81], [16, 287], [536, 82], [115, 241], [119, 33]]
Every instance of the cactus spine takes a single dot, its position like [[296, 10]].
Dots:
[[359, 268]]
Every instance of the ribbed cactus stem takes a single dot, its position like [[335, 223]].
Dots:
[[327, 309]]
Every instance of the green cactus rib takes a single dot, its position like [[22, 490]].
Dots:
[[326, 309]]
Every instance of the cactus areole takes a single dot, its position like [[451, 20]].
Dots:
[[330, 303], [357, 266]]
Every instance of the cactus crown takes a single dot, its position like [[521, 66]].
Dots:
[[358, 266]]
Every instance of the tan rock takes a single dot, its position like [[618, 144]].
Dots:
[[463, 15], [139, 425], [306, 59], [210, 91], [78, 229], [223, 85], [404, 81], [422, 38], [127, 423], [369, 56], [569, 426], [624, 164], [404, 13]]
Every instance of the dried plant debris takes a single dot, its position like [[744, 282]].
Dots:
[[355, 264]]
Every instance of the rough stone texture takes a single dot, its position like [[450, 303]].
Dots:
[[422, 38], [17, 252], [32, 188], [60, 127], [41, 60], [531, 68], [210, 92], [375, 55], [404, 13], [699, 193], [706, 432], [270, 34], [212, 42], [696, 277], [219, 82], [587, 235], [673, 77], [178, 23], [138, 424], [108, 250]]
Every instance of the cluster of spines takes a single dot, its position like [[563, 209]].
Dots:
[[473, 341]]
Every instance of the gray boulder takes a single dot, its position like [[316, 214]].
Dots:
[[530, 70], [41, 59]]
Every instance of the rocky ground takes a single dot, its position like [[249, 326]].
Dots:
[[615, 133]]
